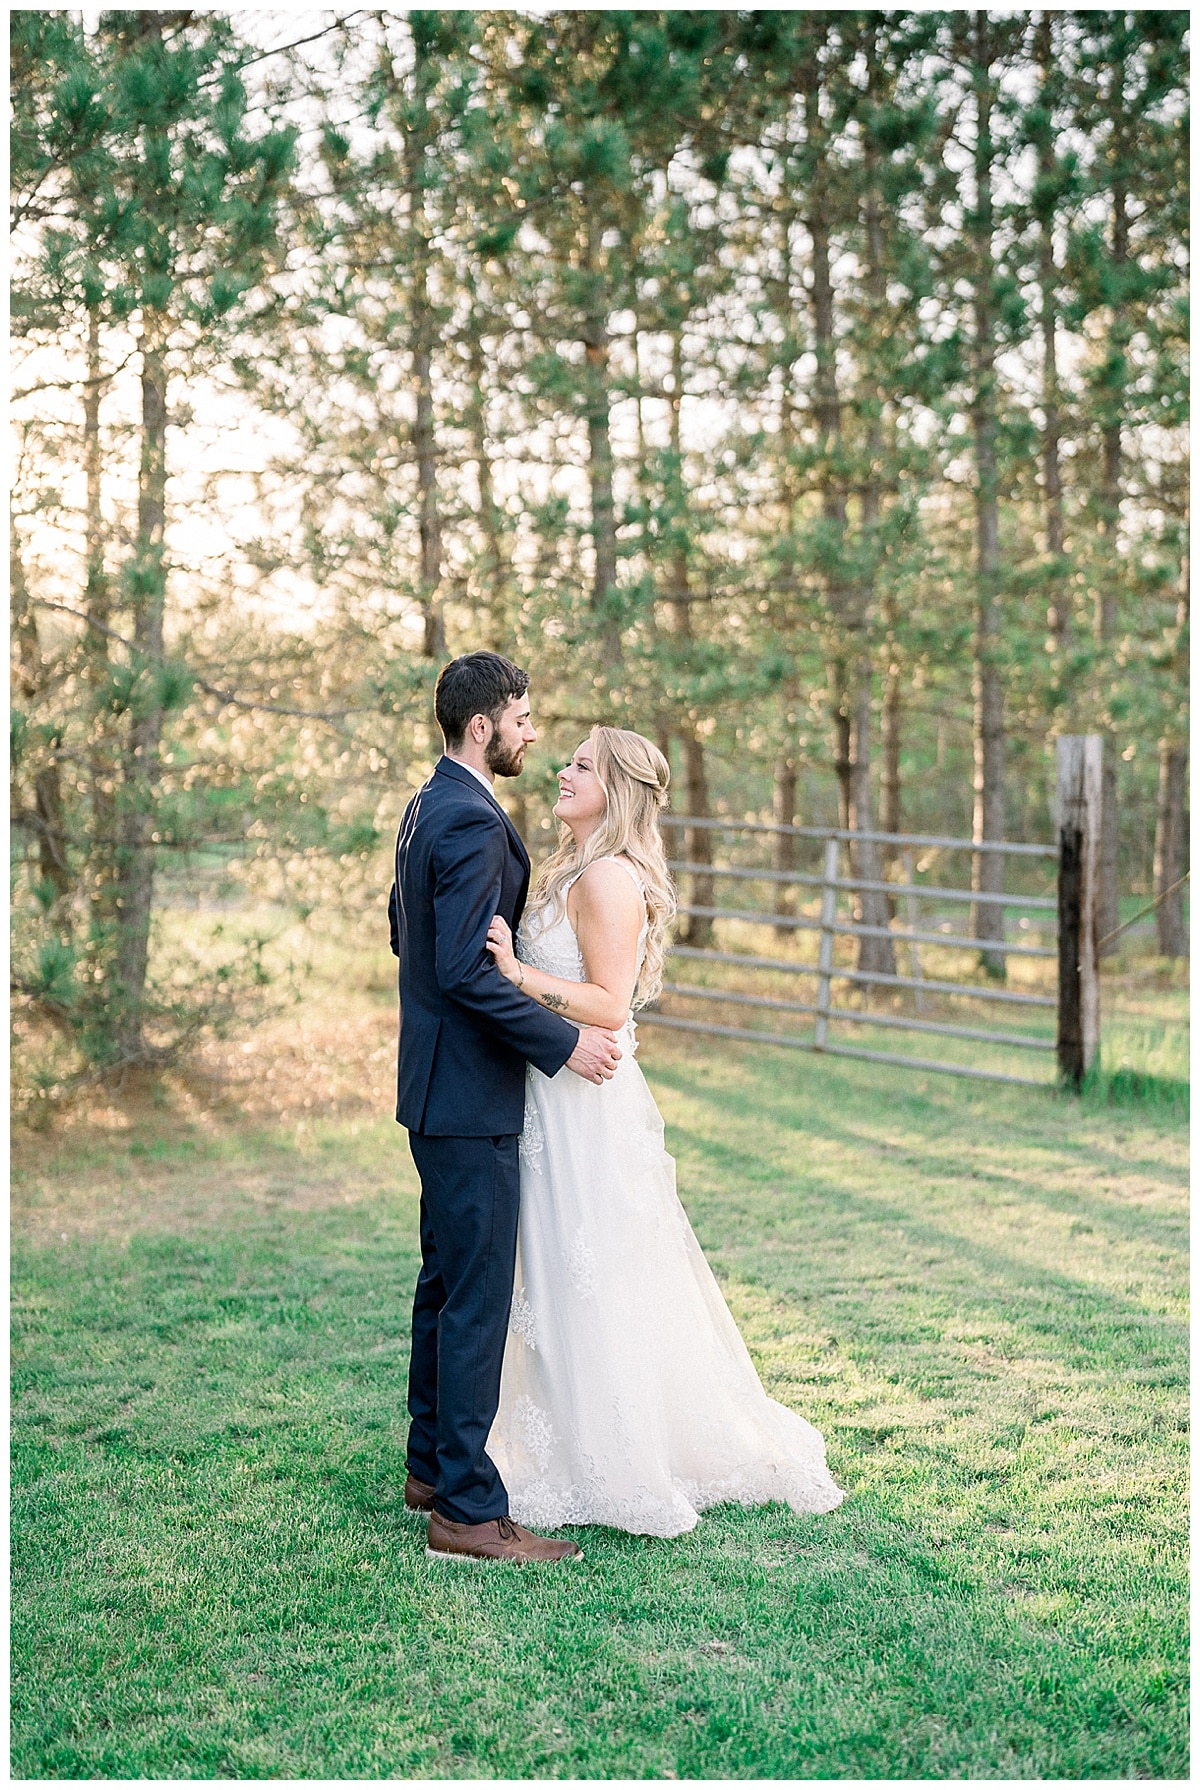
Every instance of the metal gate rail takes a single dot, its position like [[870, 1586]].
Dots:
[[899, 1023], [988, 848], [852, 929], [981, 897], [830, 927], [811, 969]]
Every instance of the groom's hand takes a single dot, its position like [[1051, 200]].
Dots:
[[596, 1055]]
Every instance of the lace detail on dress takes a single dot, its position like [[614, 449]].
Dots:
[[537, 1431], [532, 1141], [546, 939], [521, 1320], [553, 948], [661, 1509], [581, 1267]]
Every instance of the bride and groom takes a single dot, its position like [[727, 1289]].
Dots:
[[573, 1360]]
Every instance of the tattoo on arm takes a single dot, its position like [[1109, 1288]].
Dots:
[[557, 1002]]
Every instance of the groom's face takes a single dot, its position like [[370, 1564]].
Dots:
[[512, 734]]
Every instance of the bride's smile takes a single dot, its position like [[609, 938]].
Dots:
[[581, 795]]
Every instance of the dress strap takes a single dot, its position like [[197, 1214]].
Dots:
[[610, 859], [625, 865]]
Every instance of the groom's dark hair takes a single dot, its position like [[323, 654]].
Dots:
[[476, 684]]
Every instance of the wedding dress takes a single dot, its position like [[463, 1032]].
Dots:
[[628, 1397]]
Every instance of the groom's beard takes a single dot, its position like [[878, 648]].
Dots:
[[502, 760]]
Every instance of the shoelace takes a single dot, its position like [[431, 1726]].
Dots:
[[507, 1528]]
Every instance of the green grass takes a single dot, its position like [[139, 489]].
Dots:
[[977, 1293]]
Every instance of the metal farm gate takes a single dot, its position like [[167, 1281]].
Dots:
[[1050, 961]]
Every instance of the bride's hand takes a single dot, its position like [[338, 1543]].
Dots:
[[500, 944]]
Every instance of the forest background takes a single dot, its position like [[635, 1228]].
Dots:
[[804, 389]]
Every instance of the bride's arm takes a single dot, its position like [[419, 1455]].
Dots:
[[608, 922]]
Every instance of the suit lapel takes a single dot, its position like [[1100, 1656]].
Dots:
[[446, 767]]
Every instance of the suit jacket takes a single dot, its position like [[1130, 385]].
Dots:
[[466, 1033]]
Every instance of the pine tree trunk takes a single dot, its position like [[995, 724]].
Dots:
[[889, 774], [52, 839], [136, 854], [698, 843], [102, 769], [783, 813], [425, 447], [843, 760], [48, 813], [891, 728], [664, 708], [494, 560], [699, 839], [784, 855], [987, 868], [1109, 918], [890, 707], [1110, 912], [1170, 842], [1058, 603], [1108, 607], [1111, 443], [96, 594], [872, 905], [600, 457], [429, 520], [827, 415]]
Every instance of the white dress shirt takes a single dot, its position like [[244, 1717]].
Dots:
[[486, 781]]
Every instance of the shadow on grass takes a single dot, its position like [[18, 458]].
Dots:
[[821, 1125], [215, 1575], [1099, 1328]]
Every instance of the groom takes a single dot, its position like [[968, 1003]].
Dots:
[[466, 1035]]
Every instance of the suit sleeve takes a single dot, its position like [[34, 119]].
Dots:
[[394, 921], [468, 867]]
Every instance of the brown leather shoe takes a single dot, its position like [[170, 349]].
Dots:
[[501, 1540], [418, 1495]]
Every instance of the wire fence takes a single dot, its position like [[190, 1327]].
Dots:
[[717, 944]]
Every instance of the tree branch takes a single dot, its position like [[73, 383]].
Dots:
[[229, 697], [70, 385]]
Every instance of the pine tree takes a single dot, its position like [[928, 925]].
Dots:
[[993, 316], [804, 388], [845, 155], [154, 205], [601, 104], [1129, 95]]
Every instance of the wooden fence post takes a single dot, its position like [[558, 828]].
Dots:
[[1079, 799], [825, 954]]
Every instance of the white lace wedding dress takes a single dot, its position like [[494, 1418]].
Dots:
[[628, 1396]]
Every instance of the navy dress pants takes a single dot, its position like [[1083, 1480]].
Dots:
[[470, 1197]]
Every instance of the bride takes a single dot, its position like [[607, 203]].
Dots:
[[628, 1397]]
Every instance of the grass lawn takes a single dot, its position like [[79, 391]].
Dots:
[[978, 1293]]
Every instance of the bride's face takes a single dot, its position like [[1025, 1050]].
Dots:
[[581, 798]]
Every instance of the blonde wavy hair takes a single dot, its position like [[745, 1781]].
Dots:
[[635, 777]]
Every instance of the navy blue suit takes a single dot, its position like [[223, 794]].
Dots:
[[466, 1034]]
